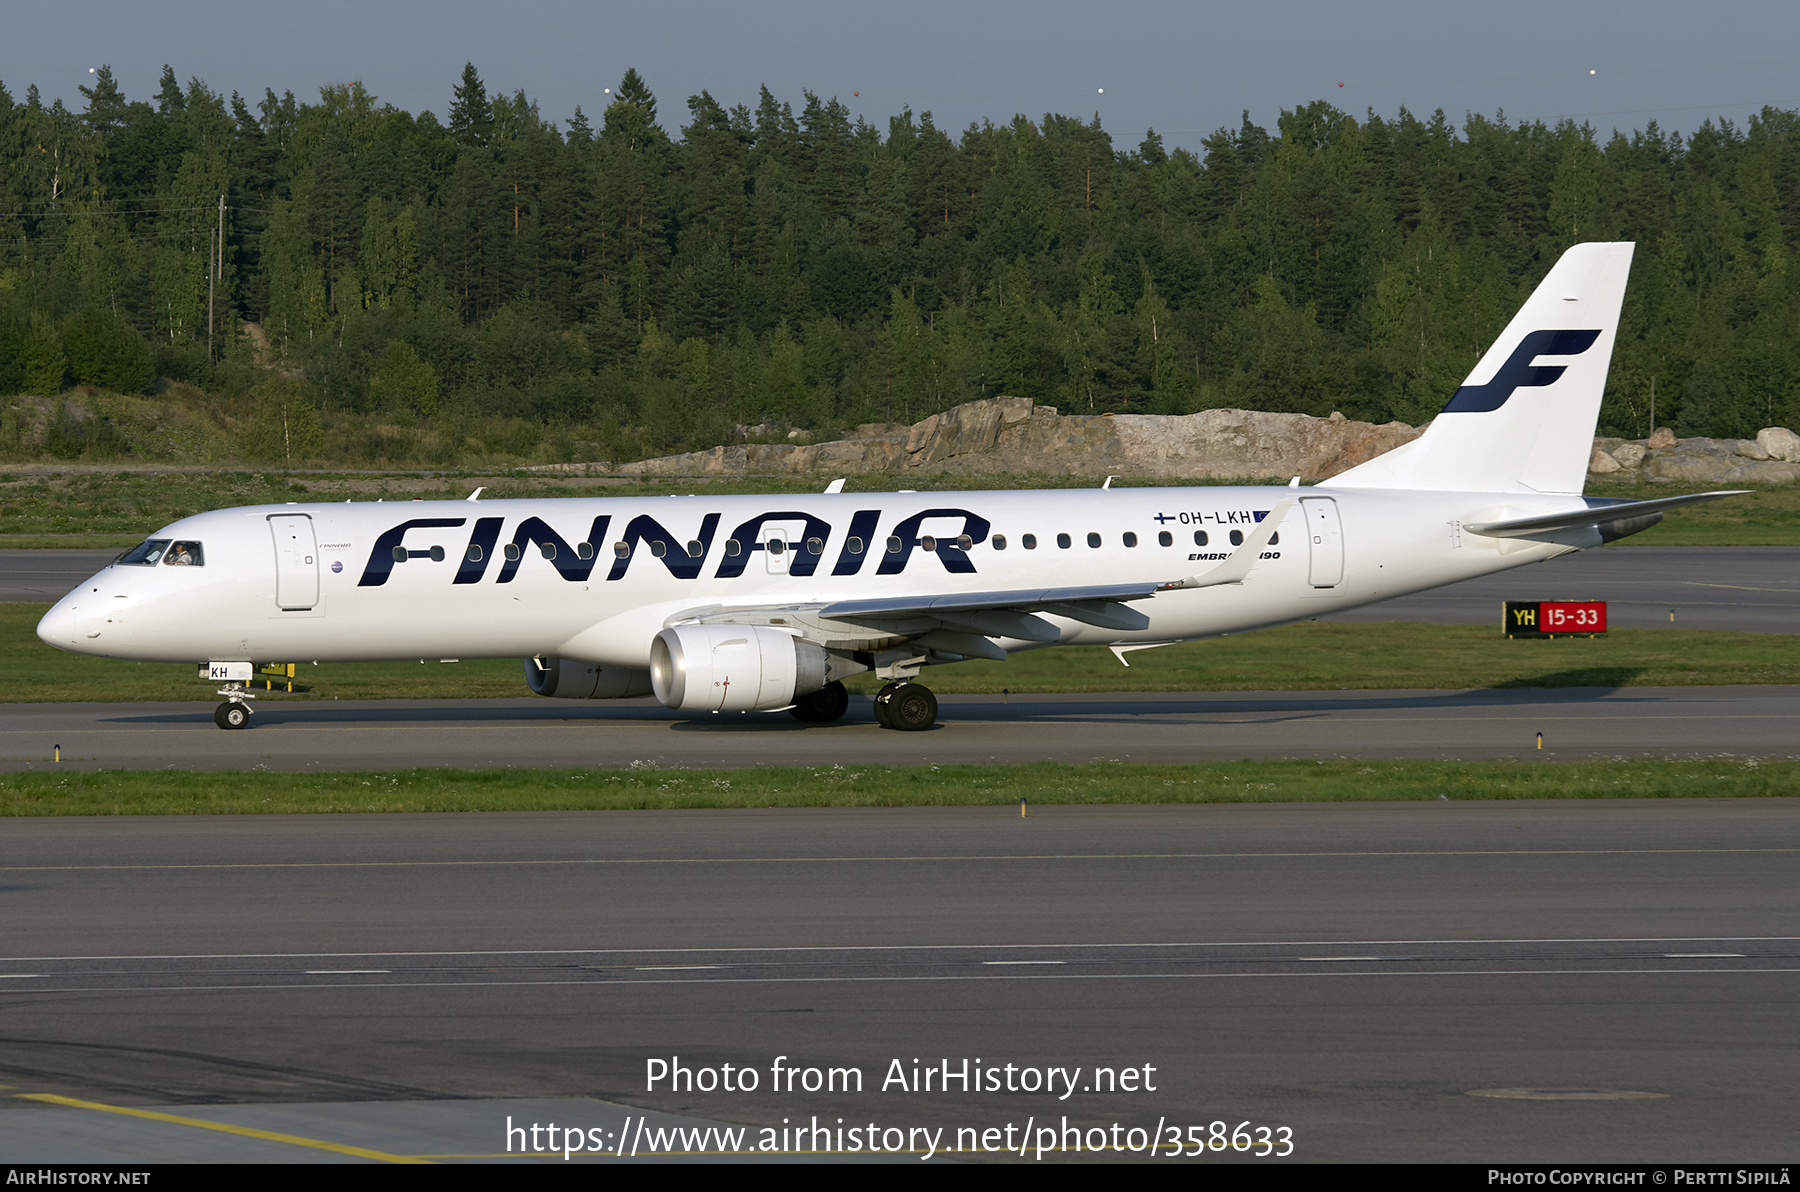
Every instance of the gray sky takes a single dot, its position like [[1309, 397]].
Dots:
[[1184, 68]]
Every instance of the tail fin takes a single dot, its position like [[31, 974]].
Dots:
[[1517, 425]]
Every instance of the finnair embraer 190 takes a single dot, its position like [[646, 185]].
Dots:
[[737, 604]]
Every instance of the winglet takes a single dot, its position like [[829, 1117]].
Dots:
[[1234, 569], [836, 486], [476, 495]]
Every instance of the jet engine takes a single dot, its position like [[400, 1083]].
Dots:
[[565, 678], [733, 668]]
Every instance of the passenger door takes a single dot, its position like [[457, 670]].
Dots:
[[1325, 541], [296, 561]]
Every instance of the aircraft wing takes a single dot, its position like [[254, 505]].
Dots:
[[964, 623]]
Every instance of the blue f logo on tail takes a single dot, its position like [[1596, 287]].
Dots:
[[1519, 371]]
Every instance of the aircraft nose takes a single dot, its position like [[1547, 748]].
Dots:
[[59, 626]]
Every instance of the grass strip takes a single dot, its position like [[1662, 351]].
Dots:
[[1310, 656], [163, 792]]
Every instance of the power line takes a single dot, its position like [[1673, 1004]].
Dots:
[[54, 208]]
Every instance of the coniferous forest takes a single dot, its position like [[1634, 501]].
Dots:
[[645, 280]]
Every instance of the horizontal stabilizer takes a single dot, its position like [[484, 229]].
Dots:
[[1599, 512]]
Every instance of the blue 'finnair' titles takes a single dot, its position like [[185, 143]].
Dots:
[[756, 603], [685, 559]]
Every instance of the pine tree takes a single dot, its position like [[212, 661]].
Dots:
[[634, 91], [107, 110], [170, 100], [471, 115]]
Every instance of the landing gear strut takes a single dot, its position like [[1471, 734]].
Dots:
[[823, 706], [907, 706]]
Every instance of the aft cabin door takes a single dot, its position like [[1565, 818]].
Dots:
[[1325, 541], [296, 561]]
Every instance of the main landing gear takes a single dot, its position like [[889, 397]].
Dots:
[[906, 705], [823, 706]]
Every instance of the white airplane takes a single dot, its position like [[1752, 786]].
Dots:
[[757, 603]]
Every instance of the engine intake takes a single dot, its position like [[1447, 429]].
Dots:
[[733, 668], [565, 678]]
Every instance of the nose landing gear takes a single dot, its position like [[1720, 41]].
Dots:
[[235, 711], [907, 706]]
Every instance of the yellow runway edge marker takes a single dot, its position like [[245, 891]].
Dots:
[[224, 1128]]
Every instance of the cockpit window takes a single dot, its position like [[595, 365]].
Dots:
[[185, 554], [146, 554]]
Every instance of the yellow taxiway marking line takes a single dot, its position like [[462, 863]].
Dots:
[[225, 1128]]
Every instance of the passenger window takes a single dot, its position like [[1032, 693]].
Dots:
[[401, 554], [621, 550], [733, 547], [815, 546], [547, 549], [999, 541], [1063, 541], [437, 554], [893, 544], [659, 548], [584, 550], [1165, 539], [928, 544], [964, 542], [474, 555], [1199, 537], [696, 548], [776, 546], [147, 554], [1237, 538], [511, 552], [1130, 538], [855, 546], [185, 554], [1094, 540], [1029, 542]]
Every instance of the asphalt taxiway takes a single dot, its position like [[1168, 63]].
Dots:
[[1612, 981], [1169, 727]]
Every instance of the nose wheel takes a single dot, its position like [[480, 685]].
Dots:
[[235, 711], [909, 707]]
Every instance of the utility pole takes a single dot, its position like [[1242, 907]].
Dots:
[[215, 274]]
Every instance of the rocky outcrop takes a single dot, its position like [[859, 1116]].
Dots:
[[1010, 434], [1772, 457]]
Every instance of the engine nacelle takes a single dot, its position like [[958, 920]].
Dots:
[[565, 678], [733, 668]]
